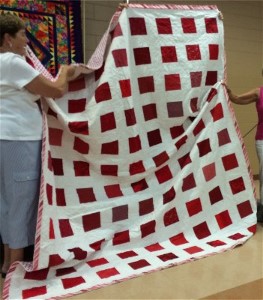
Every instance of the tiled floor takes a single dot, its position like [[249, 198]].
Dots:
[[235, 274]]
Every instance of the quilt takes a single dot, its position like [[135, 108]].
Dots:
[[144, 167], [53, 29]]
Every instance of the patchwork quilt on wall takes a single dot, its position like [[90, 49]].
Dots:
[[53, 29], [144, 167]]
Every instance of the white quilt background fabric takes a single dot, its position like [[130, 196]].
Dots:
[[144, 167]]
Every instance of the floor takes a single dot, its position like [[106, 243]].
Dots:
[[235, 274]]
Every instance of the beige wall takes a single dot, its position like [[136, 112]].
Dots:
[[243, 24]]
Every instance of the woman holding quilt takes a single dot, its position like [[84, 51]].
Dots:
[[256, 96], [20, 137]]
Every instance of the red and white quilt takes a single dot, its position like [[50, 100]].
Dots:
[[144, 167]]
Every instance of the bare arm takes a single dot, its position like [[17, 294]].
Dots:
[[53, 89], [246, 98]]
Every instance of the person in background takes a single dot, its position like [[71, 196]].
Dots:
[[21, 86], [254, 96]]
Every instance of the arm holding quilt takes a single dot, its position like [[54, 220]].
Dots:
[[245, 98]]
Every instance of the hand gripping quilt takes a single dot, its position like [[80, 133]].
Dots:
[[144, 167]]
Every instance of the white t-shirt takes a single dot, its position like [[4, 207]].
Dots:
[[20, 117]]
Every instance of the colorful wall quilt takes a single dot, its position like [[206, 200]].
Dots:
[[53, 29], [144, 167]]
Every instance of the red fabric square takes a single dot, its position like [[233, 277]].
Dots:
[[217, 112], [55, 136], [211, 25], [175, 109], [211, 78], [154, 247], [188, 25], [79, 127], [237, 185], [146, 207], [169, 54], [57, 166], [139, 264], [103, 92], [86, 195], [77, 84], [169, 195], [125, 86], [110, 148], [127, 254], [37, 275], [230, 162], [142, 56], [60, 197], [107, 122], [97, 262], [148, 228], [117, 31], [91, 221], [99, 72], [178, 239], [108, 273], [244, 209], [193, 104], [213, 51], [223, 137], [193, 52], [149, 111], [164, 25], [135, 144], [204, 147], [201, 230], [184, 160], [196, 79], [139, 185], [130, 117], [189, 182], [49, 193], [71, 282], [181, 142], [223, 219], [209, 171], [172, 82], [160, 158], [137, 26], [194, 207], [79, 254], [164, 174], [154, 137], [81, 146], [216, 243], [65, 228], [65, 271], [120, 213], [176, 131], [193, 250], [213, 92], [199, 127], [34, 292], [97, 245], [109, 170], [146, 84], [76, 105], [170, 217], [136, 168], [81, 168], [113, 190], [167, 256], [215, 195], [120, 57], [55, 260], [51, 230], [121, 238]]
